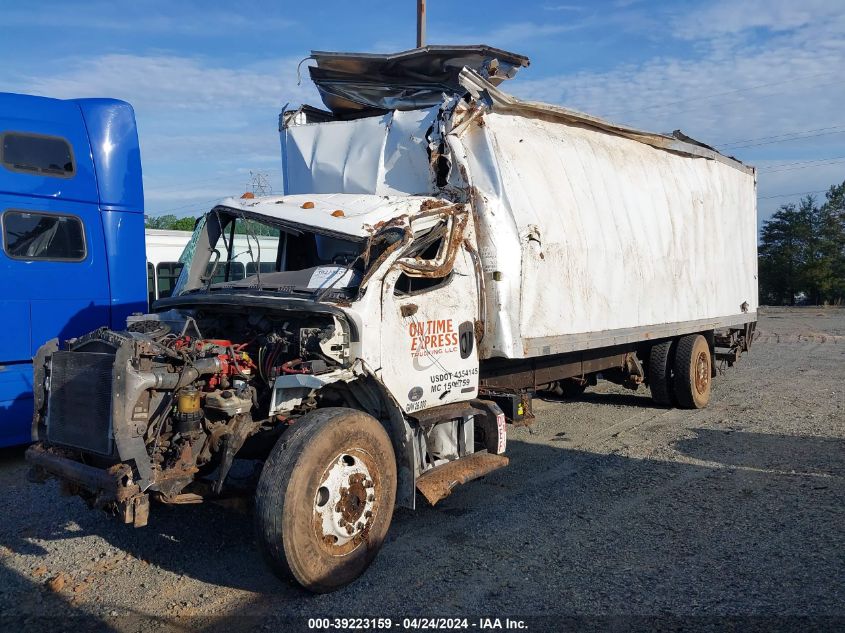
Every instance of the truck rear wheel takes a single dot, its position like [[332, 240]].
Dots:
[[693, 371], [660, 373], [325, 498]]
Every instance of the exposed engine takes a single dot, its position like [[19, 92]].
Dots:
[[198, 389]]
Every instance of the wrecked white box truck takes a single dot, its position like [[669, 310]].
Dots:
[[441, 252]]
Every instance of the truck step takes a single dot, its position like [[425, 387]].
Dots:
[[437, 483]]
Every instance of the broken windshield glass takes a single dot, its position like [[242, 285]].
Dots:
[[234, 251]]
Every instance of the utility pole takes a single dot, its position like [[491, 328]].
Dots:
[[420, 23]]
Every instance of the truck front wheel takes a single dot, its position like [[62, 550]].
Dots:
[[325, 498], [693, 367]]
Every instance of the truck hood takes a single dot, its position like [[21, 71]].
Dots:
[[354, 215], [258, 299]]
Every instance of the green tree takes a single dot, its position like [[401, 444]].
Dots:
[[170, 222], [831, 238], [802, 250], [782, 253], [812, 272]]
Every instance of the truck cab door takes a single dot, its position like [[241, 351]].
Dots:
[[430, 303]]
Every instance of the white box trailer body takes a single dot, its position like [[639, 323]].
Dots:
[[590, 234]]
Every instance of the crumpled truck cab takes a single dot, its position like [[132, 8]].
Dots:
[[335, 320]]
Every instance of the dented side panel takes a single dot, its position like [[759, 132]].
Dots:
[[429, 356], [422, 345], [585, 233], [383, 155]]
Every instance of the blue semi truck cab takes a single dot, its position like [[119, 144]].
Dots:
[[71, 232]]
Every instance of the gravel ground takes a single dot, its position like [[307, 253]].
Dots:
[[611, 508]]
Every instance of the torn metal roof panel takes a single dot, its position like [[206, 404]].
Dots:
[[418, 78]]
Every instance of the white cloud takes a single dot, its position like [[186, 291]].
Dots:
[[171, 198], [143, 17], [732, 87], [720, 96], [201, 124], [729, 17], [514, 33], [215, 119], [166, 82], [563, 7]]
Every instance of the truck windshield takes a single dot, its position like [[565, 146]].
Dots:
[[232, 251]]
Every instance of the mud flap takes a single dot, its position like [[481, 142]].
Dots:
[[437, 484]]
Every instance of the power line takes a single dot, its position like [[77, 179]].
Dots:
[[259, 184], [717, 94], [800, 162], [190, 204], [780, 140], [790, 195], [765, 138], [821, 162], [737, 99], [188, 183]]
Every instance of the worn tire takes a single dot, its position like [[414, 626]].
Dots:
[[294, 489], [660, 373], [693, 372]]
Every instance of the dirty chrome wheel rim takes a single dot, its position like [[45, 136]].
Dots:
[[702, 373], [345, 502]]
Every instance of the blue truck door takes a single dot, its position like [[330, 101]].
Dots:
[[67, 286]]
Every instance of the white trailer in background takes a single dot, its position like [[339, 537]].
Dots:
[[165, 249], [441, 252]]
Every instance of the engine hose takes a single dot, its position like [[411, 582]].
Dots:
[[288, 367]]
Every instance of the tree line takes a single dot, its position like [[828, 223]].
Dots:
[[801, 252], [172, 223]]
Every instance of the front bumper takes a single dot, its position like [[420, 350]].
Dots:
[[103, 488]]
